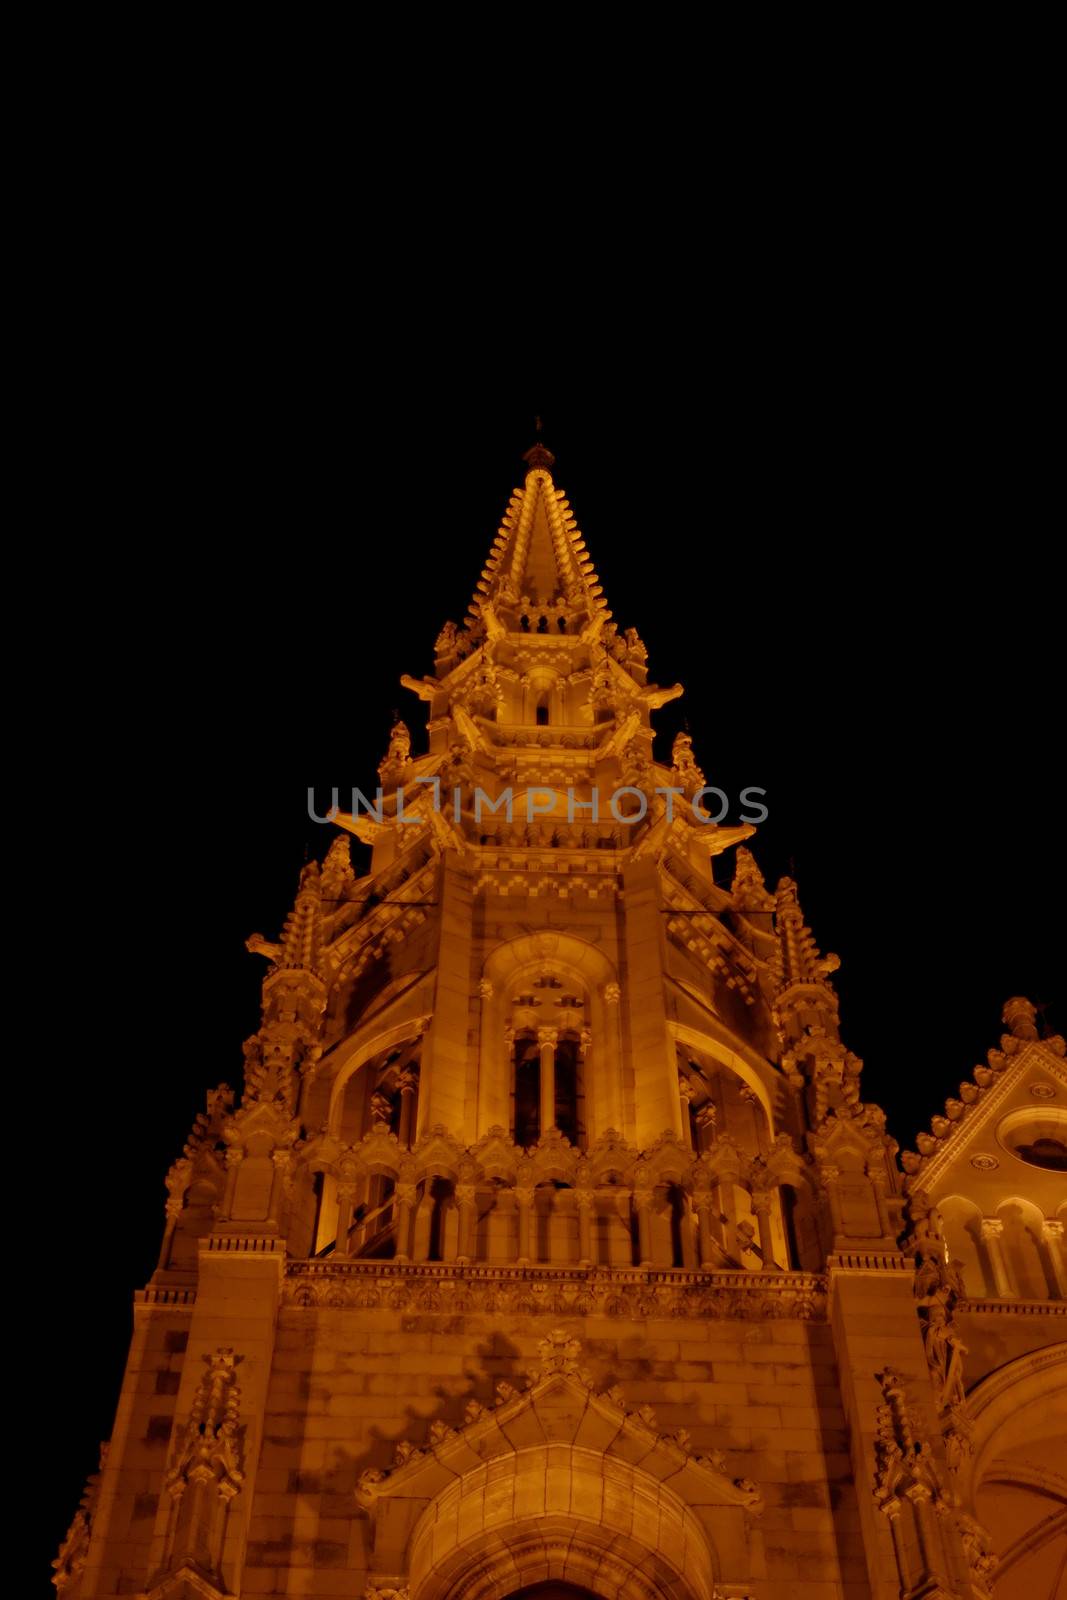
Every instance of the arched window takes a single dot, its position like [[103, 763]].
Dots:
[[526, 1091], [530, 1063], [443, 1199], [570, 1101], [541, 711]]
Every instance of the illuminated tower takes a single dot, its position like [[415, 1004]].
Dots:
[[550, 1241]]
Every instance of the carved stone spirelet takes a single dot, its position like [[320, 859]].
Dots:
[[206, 1471]]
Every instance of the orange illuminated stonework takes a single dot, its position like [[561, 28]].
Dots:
[[551, 1245]]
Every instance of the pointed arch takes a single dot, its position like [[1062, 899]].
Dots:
[[723, 1050], [1012, 1479], [366, 1043], [561, 1468]]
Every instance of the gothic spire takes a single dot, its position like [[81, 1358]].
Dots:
[[538, 562]]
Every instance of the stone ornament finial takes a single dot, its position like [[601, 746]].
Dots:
[[539, 458], [1020, 1015]]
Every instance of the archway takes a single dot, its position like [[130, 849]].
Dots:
[[553, 1590], [621, 1538], [486, 1512], [1016, 1488]]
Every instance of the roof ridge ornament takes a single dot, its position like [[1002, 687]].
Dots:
[[539, 457]]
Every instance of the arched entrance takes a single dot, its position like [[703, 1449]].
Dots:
[[559, 1484], [1015, 1485], [553, 1591], [555, 1557]]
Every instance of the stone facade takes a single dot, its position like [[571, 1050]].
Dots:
[[550, 1240]]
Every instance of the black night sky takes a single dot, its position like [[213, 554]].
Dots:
[[850, 577]]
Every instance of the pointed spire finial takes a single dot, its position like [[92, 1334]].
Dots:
[[538, 454]]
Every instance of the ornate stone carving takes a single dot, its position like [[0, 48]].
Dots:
[[68, 1565], [209, 1449], [904, 1465], [560, 1364], [560, 1352], [206, 1469], [938, 1287]]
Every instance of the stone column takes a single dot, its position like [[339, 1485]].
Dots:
[[653, 1049], [446, 1068], [685, 1094], [524, 1199], [710, 1253], [404, 1196], [992, 1235], [546, 1039], [234, 1156], [173, 1210], [879, 1182], [584, 1199], [280, 1160], [407, 1082], [642, 1204], [829, 1176], [1052, 1233], [346, 1195], [761, 1205], [604, 1110], [465, 1200]]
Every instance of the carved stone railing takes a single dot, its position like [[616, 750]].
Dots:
[[632, 1292]]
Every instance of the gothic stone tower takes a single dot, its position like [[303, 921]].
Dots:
[[551, 1247]]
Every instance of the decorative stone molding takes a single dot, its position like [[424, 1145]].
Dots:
[[539, 1289], [867, 1261], [559, 1369], [208, 1450], [1012, 1307], [903, 1462]]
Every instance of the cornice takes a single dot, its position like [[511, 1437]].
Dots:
[[628, 1292]]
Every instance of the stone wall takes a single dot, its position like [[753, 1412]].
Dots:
[[348, 1385]]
